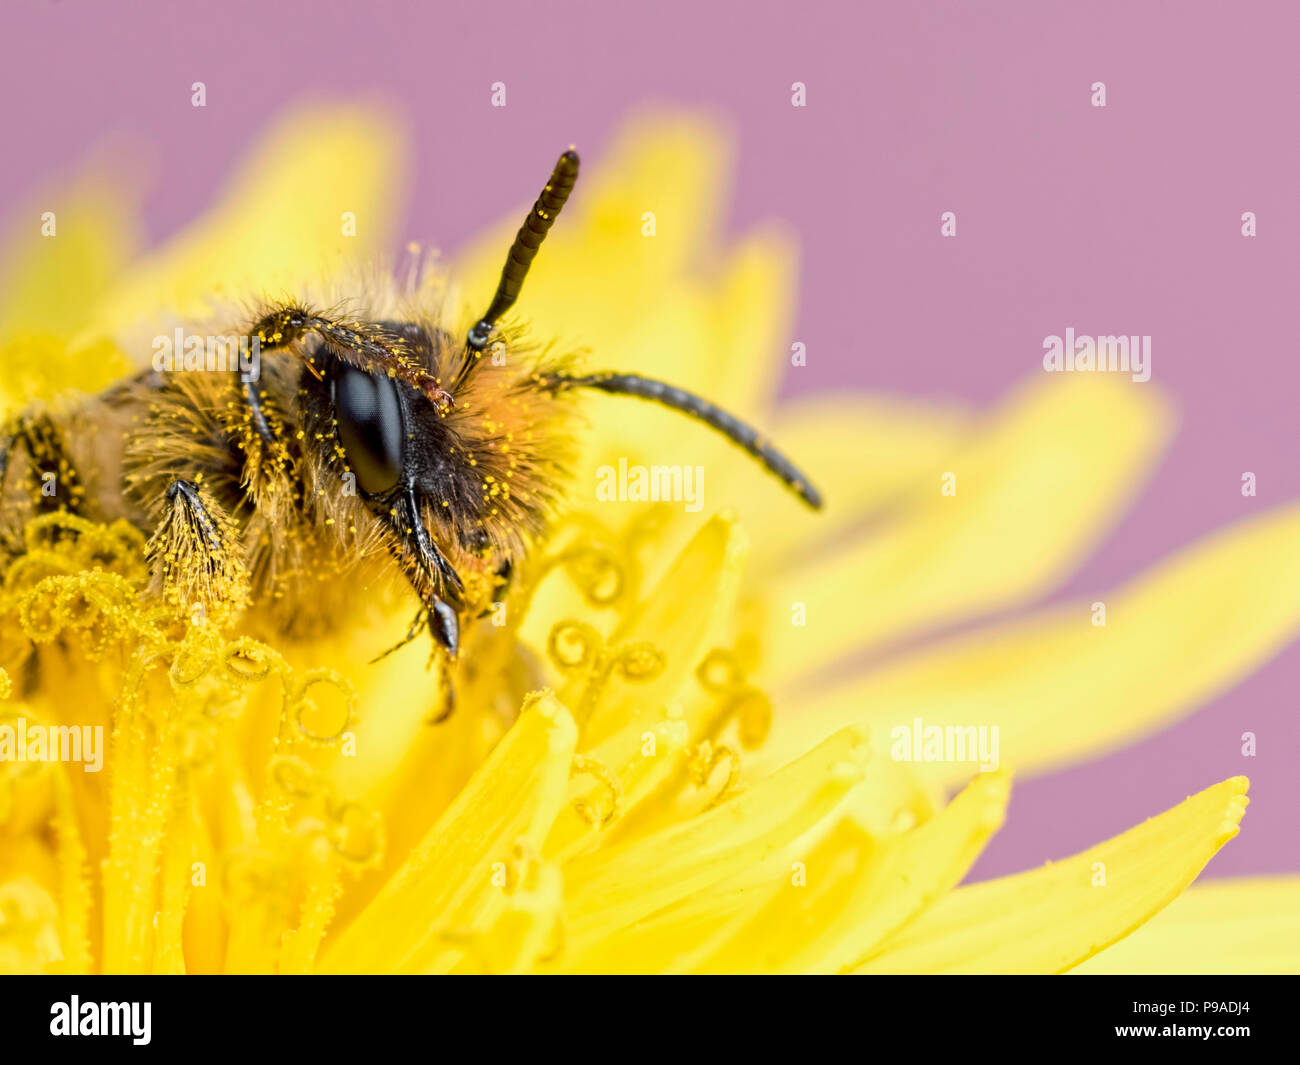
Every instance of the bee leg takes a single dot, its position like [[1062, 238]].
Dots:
[[444, 626], [10, 436], [256, 414], [411, 634], [430, 558], [55, 484], [432, 569], [448, 701], [195, 553], [10, 531]]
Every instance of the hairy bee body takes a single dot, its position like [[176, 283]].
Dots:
[[363, 441], [294, 528]]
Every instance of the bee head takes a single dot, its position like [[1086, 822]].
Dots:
[[457, 489], [407, 460], [458, 463]]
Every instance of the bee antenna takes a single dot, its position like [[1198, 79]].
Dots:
[[738, 432], [524, 249], [364, 345]]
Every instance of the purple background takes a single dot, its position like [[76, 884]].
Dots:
[[1117, 220]]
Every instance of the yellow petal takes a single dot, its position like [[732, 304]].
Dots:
[[525, 932], [1051, 919], [1033, 495], [395, 745], [281, 223], [1247, 925], [862, 451], [445, 889], [742, 840], [396, 697], [615, 777], [31, 923], [653, 943], [688, 608], [856, 893], [1062, 690]]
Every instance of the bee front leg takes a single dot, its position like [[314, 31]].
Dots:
[[196, 554], [412, 632], [444, 626]]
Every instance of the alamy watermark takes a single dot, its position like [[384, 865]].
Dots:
[[651, 484], [213, 354], [21, 742], [920, 742], [131, 1019], [1109, 354]]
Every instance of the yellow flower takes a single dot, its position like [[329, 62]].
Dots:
[[692, 792]]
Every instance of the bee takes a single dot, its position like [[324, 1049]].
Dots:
[[368, 439]]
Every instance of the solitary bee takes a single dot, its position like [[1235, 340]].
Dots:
[[379, 439]]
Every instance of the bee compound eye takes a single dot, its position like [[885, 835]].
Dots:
[[369, 418]]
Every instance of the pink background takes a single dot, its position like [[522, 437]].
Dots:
[[1122, 220]]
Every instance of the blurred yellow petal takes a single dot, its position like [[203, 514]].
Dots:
[[1033, 495], [524, 934], [42, 367], [654, 943], [1062, 690], [729, 327], [856, 893], [446, 885], [281, 222], [30, 944], [1216, 927], [49, 284], [1051, 919], [1043, 461], [666, 303], [862, 451], [597, 262]]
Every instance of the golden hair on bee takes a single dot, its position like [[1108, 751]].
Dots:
[[351, 439]]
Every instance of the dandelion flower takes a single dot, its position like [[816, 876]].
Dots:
[[649, 768]]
